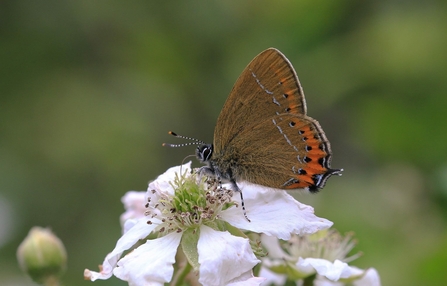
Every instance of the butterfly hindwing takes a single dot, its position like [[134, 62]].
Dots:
[[297, 154]]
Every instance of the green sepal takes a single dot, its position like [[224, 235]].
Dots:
[[189, 241]]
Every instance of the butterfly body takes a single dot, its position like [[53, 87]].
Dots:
[[263, 134]]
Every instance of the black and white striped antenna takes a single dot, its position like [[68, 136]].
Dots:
[[195, 141]]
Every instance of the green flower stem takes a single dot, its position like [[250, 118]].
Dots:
[[309, 280], [179, 278]]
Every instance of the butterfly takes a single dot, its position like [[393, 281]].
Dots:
[[263, 134]]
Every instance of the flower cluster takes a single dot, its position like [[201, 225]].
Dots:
[[188, 228], [321, 257]]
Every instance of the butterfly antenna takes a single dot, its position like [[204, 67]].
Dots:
[[195, 141]]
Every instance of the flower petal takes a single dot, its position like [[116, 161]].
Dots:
[[370, 278], [246, 279], [150, 263], [273, 212], [271, 277], [224, 257], [273, 247], [139, 231], [163, 182], [331, 270], [134, 204]]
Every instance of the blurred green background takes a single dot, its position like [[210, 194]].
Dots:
[[89, 89]]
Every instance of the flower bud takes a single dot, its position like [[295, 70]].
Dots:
[[42, 256]]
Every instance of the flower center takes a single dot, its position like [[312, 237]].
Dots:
[[329, 245], [194, 202]]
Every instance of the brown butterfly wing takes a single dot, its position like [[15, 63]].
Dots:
[[268, 86], [263, 134], [297, 153]]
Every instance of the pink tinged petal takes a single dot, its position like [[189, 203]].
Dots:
[[139, 231], [331, 270], [273, 212], [223, 257], [150, 263], [134, 204]]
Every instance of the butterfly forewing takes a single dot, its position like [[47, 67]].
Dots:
[[268, 84]]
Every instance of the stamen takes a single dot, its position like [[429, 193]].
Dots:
[[193, 203]]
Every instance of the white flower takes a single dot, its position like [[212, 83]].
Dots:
[[324, 254], [203, 219], [274, 212]]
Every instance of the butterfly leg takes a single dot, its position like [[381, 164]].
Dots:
[[210, 171], [206, 171], [236, 188]]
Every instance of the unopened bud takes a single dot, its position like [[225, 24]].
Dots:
[[42, 256]]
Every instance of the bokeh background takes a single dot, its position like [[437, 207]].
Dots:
[[89, 89]]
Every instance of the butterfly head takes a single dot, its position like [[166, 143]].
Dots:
[[204, 152]]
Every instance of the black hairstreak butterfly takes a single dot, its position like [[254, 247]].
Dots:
[[263, 134]]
